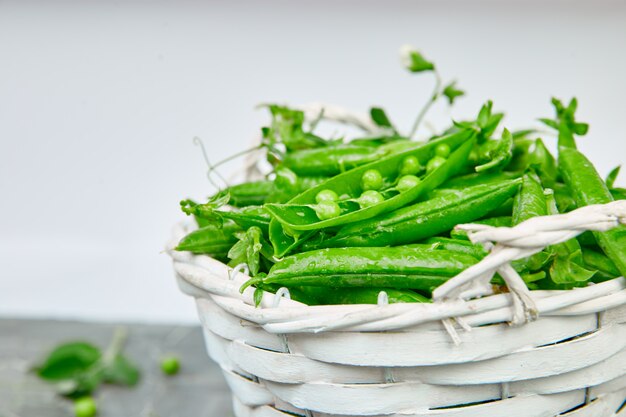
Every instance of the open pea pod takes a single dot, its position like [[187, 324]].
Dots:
[[299, 214], [283, 242], [425, 219]]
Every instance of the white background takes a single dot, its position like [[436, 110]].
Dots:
[[99, 102]]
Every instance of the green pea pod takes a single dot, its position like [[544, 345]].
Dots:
[[251, 193], [211, 240], [505, 210], [299, 214], [457, 245], [545, 164], [337, 159], [245, 217], [589, 188], [398, 268], [328, 161], [530, 201], [332, 296], [250, 217], [428, 218], [471, 180], [378, 141]]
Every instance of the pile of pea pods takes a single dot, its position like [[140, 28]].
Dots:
[[338, 222]]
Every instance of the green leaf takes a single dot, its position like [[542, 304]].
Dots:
[[484, 114], [612, 177], [462, 125], [120, 371], [237, 252], [618, 193], [249, 248], [558, 105], [572, 106], [414, 61], [80, 385], [522, 134], [206, 214], [550, 123], [566, 270], [78, 368], [498, 155], [379, 117], [487, 122], [581, 129], [492, 124], [68, 360], [258, 297], [452, 93], [287, 127], [565, 123], [219, 200]]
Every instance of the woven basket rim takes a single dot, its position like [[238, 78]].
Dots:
[[202, 276]]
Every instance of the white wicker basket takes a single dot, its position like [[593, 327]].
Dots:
[[459, 356]]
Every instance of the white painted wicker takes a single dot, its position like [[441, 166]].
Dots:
[[470, 353]]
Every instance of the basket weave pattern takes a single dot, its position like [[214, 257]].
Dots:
[[459, 356]]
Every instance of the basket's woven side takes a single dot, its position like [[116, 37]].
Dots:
[[384, 399], [513, 407], [285, 358], [540, 379]]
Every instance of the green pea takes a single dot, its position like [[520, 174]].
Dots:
[[410, 166], [370, 198], [170, 365], [327, 210], [435, 163], [326, 195], [443, 150], [85, 407], [372, 180], [286, 179], [407, 183]]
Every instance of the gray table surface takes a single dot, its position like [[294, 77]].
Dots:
[[197, 391]]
